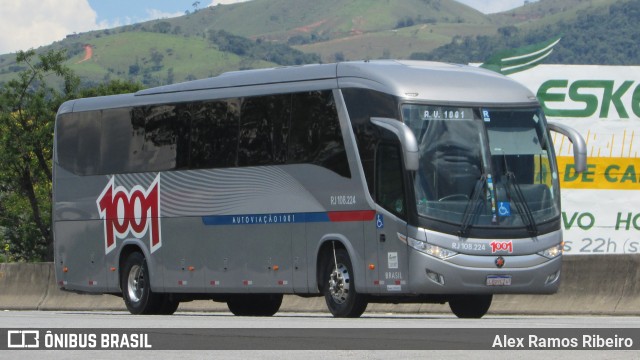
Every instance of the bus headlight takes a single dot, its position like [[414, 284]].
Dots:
[[429, 249], [552, 252]]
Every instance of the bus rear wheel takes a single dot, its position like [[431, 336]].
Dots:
[[255, 304], [168, 305], [136, 289], [470, 306], [339, 287]]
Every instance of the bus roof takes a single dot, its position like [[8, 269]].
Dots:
[[426, 81], [442, 82]]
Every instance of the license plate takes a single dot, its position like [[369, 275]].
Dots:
[[498, 280]]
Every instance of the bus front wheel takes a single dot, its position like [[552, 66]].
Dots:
[[470, 306], [339, 287]]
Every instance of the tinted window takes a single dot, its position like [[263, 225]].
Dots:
[[315, 133], [214, 134], [78, 142], [264, 128], [249, 131], [362, 105], [163, 145], [143, 139], [120, 141], [389, 179]]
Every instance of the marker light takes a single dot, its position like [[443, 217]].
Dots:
[[433, 250], [552, 252]]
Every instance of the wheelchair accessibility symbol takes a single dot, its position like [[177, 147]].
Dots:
[[379, 221], [504, 209]]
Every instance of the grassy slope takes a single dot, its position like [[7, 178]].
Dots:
[[359, 29], [279, 19], [398, 43], [114, 54], [545, 12], [186, 56]]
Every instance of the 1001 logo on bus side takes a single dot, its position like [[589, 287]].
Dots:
[[135, 211]]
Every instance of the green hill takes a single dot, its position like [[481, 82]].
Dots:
[[605, 32], [266, 33], [157, 55], [547, 12], [342, 29], [178, 49], [280, 20], [148, 57]]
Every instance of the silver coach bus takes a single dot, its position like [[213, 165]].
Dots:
[[363, 182]]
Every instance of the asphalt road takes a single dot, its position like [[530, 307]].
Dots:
[[111, 319], [250, 337]]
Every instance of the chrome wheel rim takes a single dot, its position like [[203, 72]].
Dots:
[[135, 283], [339, 284]]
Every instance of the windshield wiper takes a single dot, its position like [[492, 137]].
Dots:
[[473, 204], [521, 203]]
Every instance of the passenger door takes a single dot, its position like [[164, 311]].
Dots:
[[391, 225]]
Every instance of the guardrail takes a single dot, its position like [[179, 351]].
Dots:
[[591, 284]]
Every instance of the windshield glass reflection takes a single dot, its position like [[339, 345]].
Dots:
[[481, 167]]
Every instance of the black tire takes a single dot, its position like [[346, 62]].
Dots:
[[470, 306], [168, 305], [255, 304], [339, 289], [136, 290]]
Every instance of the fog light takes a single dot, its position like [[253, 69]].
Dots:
[[435, 277], [552, 278]]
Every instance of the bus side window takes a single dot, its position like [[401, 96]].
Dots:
[[263, 121], [362, 105], [162, 135], [389, 179], [315, 136], [78, 147], [214, 135], [122, 141]]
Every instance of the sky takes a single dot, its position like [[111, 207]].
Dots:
[[26, 24]]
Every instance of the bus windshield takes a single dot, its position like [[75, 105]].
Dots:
[[483, 167]]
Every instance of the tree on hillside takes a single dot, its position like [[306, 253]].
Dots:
[[260, 50], [114, 87], [604, 36], [162, 27], [28, 105]]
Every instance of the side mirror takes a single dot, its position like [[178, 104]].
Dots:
[[407, 140], [579, 145]]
